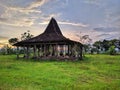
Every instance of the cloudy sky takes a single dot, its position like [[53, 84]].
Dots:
[[100, 19]]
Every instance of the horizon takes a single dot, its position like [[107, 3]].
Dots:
[[97, 18]]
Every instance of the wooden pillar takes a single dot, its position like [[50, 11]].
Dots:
[[53, 50], [75, 50], [68, 50], [64, 50], [58, 50], [72, 50], [81, 55], [34, 50], [50, 50], [17, 52], [24, 51], [38, 51], [27, 52], [44, 50], [78, 51], [61, 50]]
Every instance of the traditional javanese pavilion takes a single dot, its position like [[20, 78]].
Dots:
[[51, 44]]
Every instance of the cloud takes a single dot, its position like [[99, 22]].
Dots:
[[23, 10], [66, 23], [113, 17], [36, 3], [107, 29], [94, 2], [73, 24], [64, 3], [46, 18], [102, 35], [20, 15], [17, 22], [31, 8]]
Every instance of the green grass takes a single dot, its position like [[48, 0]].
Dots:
[[96, 72]]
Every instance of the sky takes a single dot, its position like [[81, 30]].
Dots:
[[100, 19]]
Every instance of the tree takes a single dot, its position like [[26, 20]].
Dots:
[[13, 41], [26, 35], [98, 46], [111, 50], [106, 45], [6, 50], [85, 40]]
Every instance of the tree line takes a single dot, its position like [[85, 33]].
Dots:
[[111, 47], [7, 49]]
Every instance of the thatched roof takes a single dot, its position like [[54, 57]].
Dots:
[[51, 34]]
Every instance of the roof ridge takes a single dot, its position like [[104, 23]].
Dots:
[[55, 28]]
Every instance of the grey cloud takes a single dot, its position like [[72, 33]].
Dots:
[[107, 29], [102, 35]]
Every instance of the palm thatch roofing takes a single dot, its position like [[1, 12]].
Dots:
[[52, 34]]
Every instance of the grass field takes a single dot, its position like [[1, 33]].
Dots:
[[96, 72]]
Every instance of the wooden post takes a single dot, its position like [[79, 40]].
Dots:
[[27, 52], [17, 52], [68, 50], [44, 50], [61, 50], [64, 50], [47, 49], [53, 51], [38, 51], [72, 50], [78, 51], [24, 51], [81, 55], [34, 49], [58, 50]]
